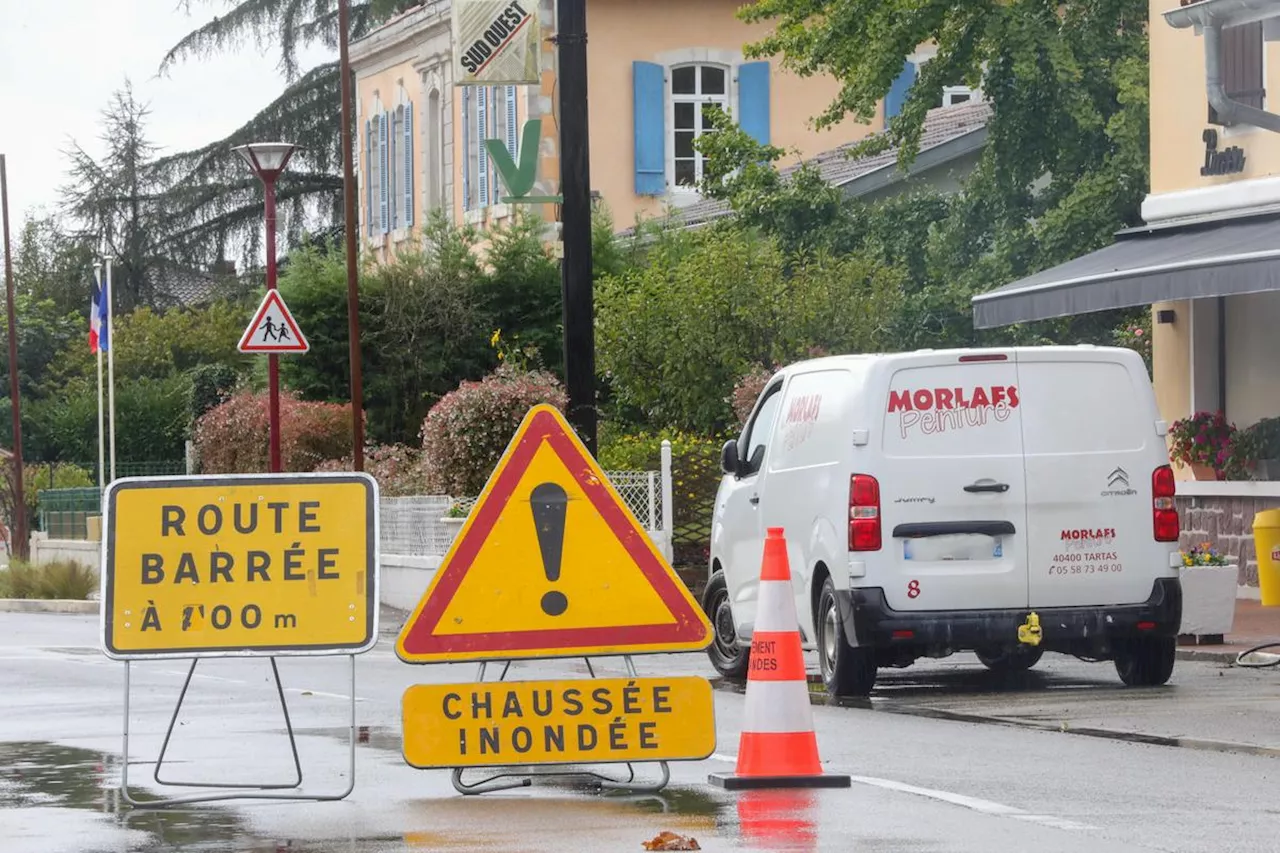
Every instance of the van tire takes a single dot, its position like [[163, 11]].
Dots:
[[846, 670], [1017, 659], [729, 658], [1146, 661]]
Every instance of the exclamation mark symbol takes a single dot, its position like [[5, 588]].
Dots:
[[549, 503]]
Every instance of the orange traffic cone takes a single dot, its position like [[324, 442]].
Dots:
[[778, 747]]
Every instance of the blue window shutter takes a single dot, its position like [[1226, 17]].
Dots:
[[466, 148], [384, 221], [897, 96], [513, 132], [408, 165], [368, 175], [650, 117], [754, 100], [482, 133]]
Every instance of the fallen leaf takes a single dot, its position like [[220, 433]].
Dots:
[[671, 841]]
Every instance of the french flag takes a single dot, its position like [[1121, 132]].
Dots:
[[99, 338]]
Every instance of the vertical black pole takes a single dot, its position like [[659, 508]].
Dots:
[[575, 185], [352, 250]]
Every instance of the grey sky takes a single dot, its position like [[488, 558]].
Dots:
[[60, 61]]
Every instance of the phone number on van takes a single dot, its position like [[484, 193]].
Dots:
[[1087, 569]]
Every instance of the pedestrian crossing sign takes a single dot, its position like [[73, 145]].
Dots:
[[273, 329]]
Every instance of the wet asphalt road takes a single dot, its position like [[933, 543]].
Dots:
[[945, 758]]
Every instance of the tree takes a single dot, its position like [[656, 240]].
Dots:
[[51, 264], [216, 202], [675, 336], [1064, 168], [117, 201]]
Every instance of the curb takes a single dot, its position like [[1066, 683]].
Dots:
[[47, 605]]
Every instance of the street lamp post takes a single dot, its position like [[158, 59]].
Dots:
[[268, 160]]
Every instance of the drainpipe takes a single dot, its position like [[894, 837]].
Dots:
[[1231, 112]]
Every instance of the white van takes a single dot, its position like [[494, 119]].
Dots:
[[934, 501]]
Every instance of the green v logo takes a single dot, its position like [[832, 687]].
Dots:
[[519, 180]]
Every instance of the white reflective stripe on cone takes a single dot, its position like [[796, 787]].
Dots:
[[778, 706], [776, 607]]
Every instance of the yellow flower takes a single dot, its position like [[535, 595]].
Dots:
[[497, 336]]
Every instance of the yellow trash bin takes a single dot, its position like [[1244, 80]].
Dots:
[[1266, 539]]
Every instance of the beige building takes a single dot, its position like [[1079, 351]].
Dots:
[[1207, 260], [652, 66]]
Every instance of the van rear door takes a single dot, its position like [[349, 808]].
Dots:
[[1089, 417], [953, 492]]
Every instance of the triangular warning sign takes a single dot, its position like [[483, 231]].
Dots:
[[551, 563], [273, 328]]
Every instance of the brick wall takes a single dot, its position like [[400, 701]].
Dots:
[[1227, 523]]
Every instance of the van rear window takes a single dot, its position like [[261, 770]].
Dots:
[[1082, 407]]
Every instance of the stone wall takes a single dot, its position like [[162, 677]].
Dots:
[[1226, 523]]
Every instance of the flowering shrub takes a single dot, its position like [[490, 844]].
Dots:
[[466, 433], [747, 391], [1137, 337], [232, 438], [1203, 554], [398, 469], [1206, 438]]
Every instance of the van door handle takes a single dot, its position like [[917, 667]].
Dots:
[[753, 500], [998, 488]]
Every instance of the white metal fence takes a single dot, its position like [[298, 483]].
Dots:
[[416, 526]]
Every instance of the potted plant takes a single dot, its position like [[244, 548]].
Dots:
[[454, 518], [1264, 441], [1209, 580], [1203, 443]]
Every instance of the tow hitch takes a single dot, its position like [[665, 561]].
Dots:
[[1029, 633]]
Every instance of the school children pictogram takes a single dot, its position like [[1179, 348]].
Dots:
[[273, 329]]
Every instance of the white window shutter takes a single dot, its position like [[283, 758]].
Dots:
[[513, 134], [466, 148], [384, 222], [482, 132], [408, 165]]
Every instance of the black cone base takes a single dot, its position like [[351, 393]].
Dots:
[[733, 782]]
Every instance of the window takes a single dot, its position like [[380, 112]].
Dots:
[[1242, 67], [373, 176], [760, 430], [488, 112], [667, 103], [693, 87]]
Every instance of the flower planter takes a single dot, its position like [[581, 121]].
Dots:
[[1208, 599], [1200, 471], [453, 525]]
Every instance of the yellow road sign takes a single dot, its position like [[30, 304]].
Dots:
[[551, 563], [583, 721], [240, 565]]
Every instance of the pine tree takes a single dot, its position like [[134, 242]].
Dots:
[[215, 202]]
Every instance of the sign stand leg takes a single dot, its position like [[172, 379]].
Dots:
[[288, 724], [232, 791], [524, 779]]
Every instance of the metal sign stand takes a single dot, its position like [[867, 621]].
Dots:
[[233, 791], [524, 778]]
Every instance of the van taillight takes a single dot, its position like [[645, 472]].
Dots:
[[864, 513], [1164, 511]]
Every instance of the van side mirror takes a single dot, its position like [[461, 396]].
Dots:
[[730, 461]]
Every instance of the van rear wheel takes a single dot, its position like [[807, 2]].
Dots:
[[1015, 659], [846, 670], [1146, 661], [729, 658]]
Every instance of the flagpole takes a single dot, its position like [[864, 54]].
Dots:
[[102, 439], [109, 295]]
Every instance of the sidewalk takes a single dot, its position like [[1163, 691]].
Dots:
[[1254, 626]]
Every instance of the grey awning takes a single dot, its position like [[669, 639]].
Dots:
[[1144, 266]]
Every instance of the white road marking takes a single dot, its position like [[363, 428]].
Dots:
[[972, 803]]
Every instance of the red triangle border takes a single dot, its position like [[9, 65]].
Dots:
[[273, 296], [420, 639]]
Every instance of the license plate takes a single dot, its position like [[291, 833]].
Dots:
[[960, 547]]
